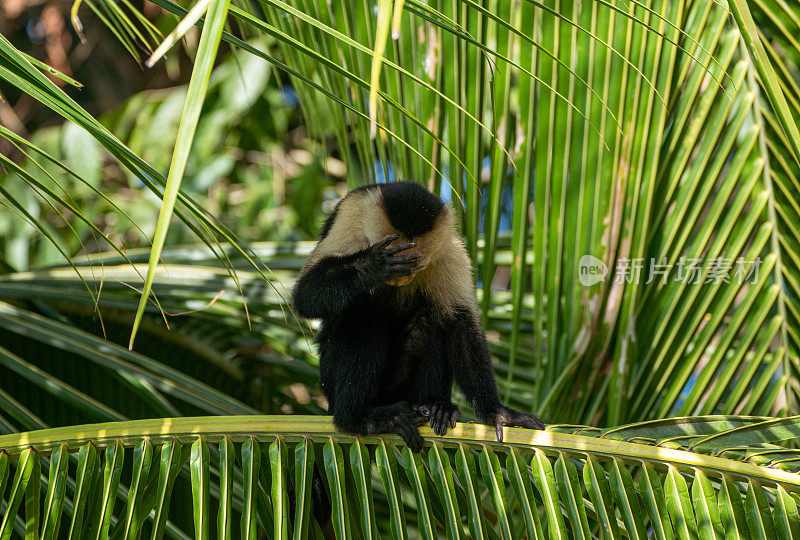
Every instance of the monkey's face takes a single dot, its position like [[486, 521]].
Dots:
[[430, 245], [401, 281], [421, 249]]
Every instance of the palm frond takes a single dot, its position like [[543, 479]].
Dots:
[[677, 477]]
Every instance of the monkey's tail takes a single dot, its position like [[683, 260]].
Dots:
[[320, 503]]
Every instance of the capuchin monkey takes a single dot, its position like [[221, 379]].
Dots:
[[392, 283]]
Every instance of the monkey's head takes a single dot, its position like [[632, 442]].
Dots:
[[368, 214], [418, 216]]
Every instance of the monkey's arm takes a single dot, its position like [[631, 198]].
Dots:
[[433, 379], [332, 283], [472, 368]]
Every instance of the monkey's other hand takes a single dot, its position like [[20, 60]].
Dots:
[[388, 262], [441, 414], [506, 416], [405, 424]]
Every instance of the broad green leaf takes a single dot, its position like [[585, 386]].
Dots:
[[596, 481], [304, 465], [387, 469], [114, 459], [548, 492], [280, 502], [493, 478], [142, 461], [621, 483], [679, 504], [731, 509], [226, 472], [360, 467], [467, 473], [251, 463], [170, 463], [25, 468], [704, 499], [521, 480], [787, 522], [653, 496], [334, 467], [571, 494], [759, 517], [56, 490], [200, 464], [4, 471], [88, 468], [417, 478], [33, 501]]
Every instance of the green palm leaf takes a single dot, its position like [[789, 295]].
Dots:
[[697, 486]]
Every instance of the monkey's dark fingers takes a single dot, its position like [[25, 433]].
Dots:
[[440, 415], [412, 258], [402, 269], [516, 419], [400, 264], [454, 416], [410, 435], [433, 415], [443, 415], [526, 420], [442, 419], [386, 241], [399, 248], [499, 430]]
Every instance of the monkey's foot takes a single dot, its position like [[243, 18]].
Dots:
[[405, 422], [506, 416], [441, 414]]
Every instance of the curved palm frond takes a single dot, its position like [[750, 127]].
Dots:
[[682, 477]]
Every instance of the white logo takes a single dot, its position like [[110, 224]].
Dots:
[[591, 270]]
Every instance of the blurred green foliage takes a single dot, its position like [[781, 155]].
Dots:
[[252, 164]]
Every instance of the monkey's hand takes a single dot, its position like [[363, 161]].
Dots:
[[506, 416], [405, 422], [386, 263], [441, 414]]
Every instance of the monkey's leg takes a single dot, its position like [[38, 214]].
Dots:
[[331, 284], [471, 363]]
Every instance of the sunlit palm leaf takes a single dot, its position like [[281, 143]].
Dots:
[[583, 479]]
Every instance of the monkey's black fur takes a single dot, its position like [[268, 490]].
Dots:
[[388, 356]]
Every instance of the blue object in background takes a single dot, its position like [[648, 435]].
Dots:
[[384, 173]]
